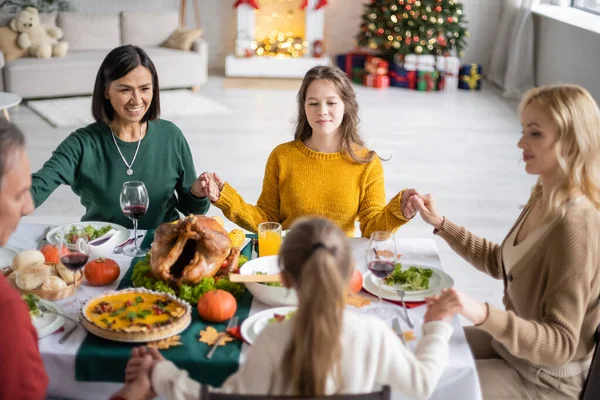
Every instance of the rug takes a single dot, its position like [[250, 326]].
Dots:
[[74, 112]]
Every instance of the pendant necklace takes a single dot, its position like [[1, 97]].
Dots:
[[129, 169]]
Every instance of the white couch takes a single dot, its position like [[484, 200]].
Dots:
[[91, 37]]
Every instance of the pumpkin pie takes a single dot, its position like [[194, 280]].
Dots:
[[135, 315]]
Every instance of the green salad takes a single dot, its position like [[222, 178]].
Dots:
[[91, 233], [32, 300], [142, 277], [280, 317], [413, 278], [274, 284]]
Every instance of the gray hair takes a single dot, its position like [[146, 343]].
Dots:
[[11, 139]]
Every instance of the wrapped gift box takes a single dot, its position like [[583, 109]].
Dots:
[[376, 66], [358, 75], [448, 68], [347, 62], [427, 81], [469, 77], [377, 81], [400, 77]]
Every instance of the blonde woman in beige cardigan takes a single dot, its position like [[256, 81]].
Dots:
[[541, 345]]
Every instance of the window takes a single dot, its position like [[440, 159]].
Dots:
[[588, 5]]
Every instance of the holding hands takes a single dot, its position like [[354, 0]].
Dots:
[[208, 184], [138, 385], [451, 302], [425, 205]]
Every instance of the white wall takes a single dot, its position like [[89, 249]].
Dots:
[[342, 19], [567, 54]]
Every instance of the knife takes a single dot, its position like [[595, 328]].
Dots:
[[42, 242], [398, 330]]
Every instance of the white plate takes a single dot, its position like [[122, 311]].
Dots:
[[253, 325], [371, 286], [122, 232], [6, 256], [434, 282], [48, 322]]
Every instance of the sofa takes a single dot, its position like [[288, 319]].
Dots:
[[91, 37]]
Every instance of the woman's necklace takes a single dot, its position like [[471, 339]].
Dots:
[[129, 169]]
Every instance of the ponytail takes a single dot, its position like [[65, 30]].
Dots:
[[316, 259], [315, 349]]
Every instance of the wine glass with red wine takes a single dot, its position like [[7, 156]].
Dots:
[[134, 203], [381, 260], [74, 251]]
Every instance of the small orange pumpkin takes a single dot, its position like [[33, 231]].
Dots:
[[50, 253], [217, 306], [356, 281], [101, 272]]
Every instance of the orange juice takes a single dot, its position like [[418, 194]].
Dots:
[[269, 243]]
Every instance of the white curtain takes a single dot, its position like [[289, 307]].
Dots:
[[512, 62]]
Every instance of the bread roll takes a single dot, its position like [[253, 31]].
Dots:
[[26, 259], [54, 283], [66, 274], [31, 277]]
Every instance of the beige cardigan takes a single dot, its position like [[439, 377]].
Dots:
[[551, 295]]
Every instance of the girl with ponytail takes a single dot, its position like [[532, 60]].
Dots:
[[324, 348]]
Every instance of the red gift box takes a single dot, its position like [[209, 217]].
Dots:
[[377, 81]]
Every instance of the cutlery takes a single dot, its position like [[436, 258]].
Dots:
[[103, 239], [232, 323], [43, 240], [45, 309], [255, 278], [120, 248], [401, 293], [398, 330], [68, 333]]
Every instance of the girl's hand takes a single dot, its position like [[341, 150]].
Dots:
[[425, 205], [408, 209], [454, 301]]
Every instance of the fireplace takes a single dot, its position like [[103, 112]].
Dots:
[[279, 39]]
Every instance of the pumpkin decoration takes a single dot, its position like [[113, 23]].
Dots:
[[356, 281], [101, 272], [217, 306], [50, 253]]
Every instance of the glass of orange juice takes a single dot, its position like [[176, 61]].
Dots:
[[269, 239]]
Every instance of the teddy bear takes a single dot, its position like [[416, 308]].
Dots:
[[41, 41]]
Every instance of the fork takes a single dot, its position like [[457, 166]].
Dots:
[[232, 323], [401, 293], [45, 309]]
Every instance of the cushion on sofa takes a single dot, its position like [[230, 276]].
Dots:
[[90, 31], [8, 44], [45, 18], [148, 28], [183, 39]]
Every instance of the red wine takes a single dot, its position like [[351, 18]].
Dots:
[[74, 261], [135, 212], [381, 268]]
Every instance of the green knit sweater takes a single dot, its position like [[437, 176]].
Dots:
[[88, 161]]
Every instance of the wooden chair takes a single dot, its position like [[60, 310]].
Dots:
[[591, 388], [383, 394]]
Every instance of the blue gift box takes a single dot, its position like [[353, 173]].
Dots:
[[469, 77], [348, 61]]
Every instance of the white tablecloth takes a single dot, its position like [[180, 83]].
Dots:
[[459, 380]]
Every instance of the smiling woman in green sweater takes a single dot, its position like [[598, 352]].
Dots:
[[542, 344], [128, 142]]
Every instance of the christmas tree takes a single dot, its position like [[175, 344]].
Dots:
[[413, 26]]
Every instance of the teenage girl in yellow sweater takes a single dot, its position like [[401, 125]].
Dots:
[[326, 171]]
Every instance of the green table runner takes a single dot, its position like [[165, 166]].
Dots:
[[102, 360]]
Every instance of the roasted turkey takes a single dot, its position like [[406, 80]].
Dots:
[[191, 249]]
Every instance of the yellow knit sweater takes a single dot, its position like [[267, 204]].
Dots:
[[302, 182]]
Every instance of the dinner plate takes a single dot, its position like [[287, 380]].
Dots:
[[48, 322], [434, 283], [371, 285], [6, 256], [254, 324], [122, 232]]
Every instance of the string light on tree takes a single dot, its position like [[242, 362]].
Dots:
[[441, 24]]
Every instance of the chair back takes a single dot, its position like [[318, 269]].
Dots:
[[383, 394], [591, 387]]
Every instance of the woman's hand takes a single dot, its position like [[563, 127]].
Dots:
[[453, 301], [208, 184], [408, 209], [425, 205], [138, 385]]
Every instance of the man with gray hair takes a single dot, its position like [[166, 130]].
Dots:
[[22, 373]]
